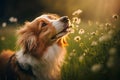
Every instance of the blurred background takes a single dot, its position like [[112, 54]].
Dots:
[[94, 40], [29, 9]]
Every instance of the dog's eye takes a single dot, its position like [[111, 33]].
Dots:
[[44, 24]]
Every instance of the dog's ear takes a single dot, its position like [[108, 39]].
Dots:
[[26, 38]]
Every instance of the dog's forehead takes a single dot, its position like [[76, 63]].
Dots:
[[45, 17], [49, 17]]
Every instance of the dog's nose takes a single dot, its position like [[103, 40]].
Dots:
[[64, 19]]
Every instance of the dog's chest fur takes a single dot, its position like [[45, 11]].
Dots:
[[46, 68]]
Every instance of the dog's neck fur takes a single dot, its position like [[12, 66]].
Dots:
[[48, 66]]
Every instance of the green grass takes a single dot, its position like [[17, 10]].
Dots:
[[93, 55], [7, 37], [87, 61]]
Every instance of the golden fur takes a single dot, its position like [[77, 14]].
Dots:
[[37, 42]]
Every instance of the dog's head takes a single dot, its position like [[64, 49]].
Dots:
[[43, 32]]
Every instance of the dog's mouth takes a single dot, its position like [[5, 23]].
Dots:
[[62, 33]]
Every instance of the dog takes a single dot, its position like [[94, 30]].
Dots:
[[42, 50]]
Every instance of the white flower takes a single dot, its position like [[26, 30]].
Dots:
[[72, 54], [13, 19], [71, 30], [76, 20], [90, 23], [112, 51], [2, 38], [77, 38], [4, 24], [108, 24], [84, 54], [86, 50], [94, 43], [81, 31], [81, 58], [96, 67], [69, 58], [81, 44], [93, 33], [115, 16], [111, 32], [77, 12], [73, 50], [97, 23]]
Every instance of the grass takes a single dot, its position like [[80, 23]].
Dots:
[[93, 51], [7, 38]]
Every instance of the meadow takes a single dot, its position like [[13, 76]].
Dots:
[[93, 51]]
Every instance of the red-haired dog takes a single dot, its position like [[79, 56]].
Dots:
[[42, 50]]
